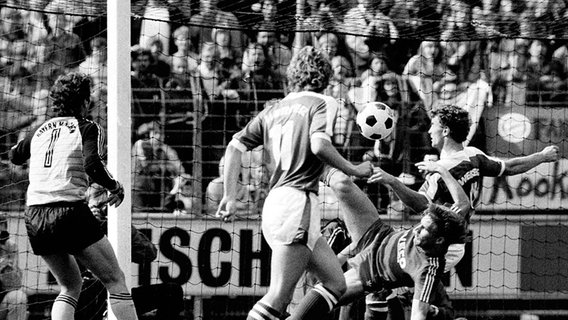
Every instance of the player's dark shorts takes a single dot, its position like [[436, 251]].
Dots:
[[365, 261], [62, 227]]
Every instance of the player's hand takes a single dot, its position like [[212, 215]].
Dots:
[[227, 209], [116, 196], [429, 167], [433, 310], [363, 169], [550, 153], [380, 176]]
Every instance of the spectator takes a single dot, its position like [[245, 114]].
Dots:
[[182, 198], [209, 75], [95, 65], [368, 29], [144, 72], [342, 78], [423, 70], [464, 58], [62, 49], [180, 77], [323, 15], [155, 166], [414, 20], [329, 44], [18, 99], [160, 67], [279, 54], [155, 25], [542, 19], [368, 88], [258, 72], [500, 64], [259, 83], [272, 13], [210, 16], [560, 54], [377, 68], [184, 48], [13, 304], [12, 38], [229, 58], [253, 186]]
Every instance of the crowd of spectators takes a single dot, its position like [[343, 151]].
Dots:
[[415, 55]]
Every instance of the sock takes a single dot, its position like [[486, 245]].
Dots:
[[122, 306], [64, 307], [376, 309], [317, 303], [262, 311]]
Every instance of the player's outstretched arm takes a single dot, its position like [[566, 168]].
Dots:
[[411, 199], [523, 164], [462, 204], [228, 205], [327, 153]]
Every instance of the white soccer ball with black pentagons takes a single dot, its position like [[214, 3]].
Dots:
[[376, 120]]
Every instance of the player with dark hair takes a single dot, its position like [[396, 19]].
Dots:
[[448, 131], [63, 154], [388, 259], [468, 165], [296, 138]]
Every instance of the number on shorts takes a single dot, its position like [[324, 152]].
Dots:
[[281, 136], [49, 153]]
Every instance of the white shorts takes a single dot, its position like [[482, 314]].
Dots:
[[288, 217], [454, 255]]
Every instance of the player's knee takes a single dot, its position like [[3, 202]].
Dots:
[[341, 183], [111, 279]]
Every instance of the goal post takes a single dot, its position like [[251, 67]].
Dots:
[[118, 124]]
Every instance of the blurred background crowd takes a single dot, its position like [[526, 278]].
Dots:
[[218, 62]]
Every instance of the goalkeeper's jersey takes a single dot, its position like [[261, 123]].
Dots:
[[63, 152]]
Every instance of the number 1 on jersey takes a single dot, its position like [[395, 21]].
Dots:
[[281, 136], [49, 153]]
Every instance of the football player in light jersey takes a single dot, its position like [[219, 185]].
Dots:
[[63, 154], [297, 144], [388, 259]]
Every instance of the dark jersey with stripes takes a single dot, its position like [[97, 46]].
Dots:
[[285, 128], [468, 167], [400, 263]]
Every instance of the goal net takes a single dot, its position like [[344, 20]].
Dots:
[[200, 70]]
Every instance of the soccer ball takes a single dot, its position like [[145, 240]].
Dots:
[[375, 120]]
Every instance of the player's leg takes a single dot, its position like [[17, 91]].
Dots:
[[331, 286], [101, 260], [358, 212], [290, 228], [68, 276], [288, 264]]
